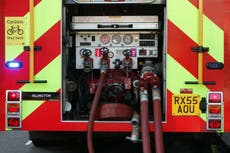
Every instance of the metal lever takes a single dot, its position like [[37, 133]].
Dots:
[[115, 26]]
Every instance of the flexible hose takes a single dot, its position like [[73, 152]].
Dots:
[[145, 124], [93, 112], [159, 144]]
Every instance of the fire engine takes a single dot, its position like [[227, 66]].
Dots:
[[134, 66]]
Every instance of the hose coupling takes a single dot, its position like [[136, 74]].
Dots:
[[104, 66], [135, 121], [135, 135], [144, 96], [156, 94]]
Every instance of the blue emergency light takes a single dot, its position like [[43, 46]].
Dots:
[[13, 64]]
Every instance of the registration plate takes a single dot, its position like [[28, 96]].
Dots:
[[185, 105]]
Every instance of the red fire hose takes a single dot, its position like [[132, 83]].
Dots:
[[145, 122], [93, 112], [159, 144], [150, 79]]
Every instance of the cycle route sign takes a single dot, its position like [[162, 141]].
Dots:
[[15, 30]]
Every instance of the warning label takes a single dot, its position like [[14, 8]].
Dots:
[[15, 30]]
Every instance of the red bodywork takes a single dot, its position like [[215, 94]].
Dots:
[[48, 115]]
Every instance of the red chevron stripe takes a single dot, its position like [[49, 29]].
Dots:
[[179, 47], [36, 2], [18, 8], [50, 43], [227, 64], [2, 48], [213, 10], [50, 50], [212, 75]]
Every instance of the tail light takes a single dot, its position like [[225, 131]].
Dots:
[[13, 108], [13, 96], [215, 97], [215, 124], [215, 111], [13, 122]]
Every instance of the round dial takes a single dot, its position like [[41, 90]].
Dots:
[[110, 54], [105, 39], [116, 39], [128, 39]]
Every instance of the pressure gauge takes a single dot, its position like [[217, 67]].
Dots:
[[105, 39], [128, 39], [110, 54], [116, 39]]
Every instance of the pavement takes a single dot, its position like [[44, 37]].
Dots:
[[18, 142]]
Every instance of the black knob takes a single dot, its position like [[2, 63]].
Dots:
[[127, 53], [85, 52], [104, 50]]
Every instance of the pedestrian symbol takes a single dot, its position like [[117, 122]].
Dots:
[[15, 30]]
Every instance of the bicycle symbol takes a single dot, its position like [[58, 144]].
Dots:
[[15, 29]]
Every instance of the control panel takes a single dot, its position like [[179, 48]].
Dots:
[[119, 45]]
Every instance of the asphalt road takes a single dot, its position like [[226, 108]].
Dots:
[[18, 142]]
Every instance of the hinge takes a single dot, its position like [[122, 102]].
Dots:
[[200, 49]]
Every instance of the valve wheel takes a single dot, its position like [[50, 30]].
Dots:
[[85, 52], [127, 52], [104, 50]]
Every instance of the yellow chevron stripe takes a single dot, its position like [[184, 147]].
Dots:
[[214, 39], [176, 77], [185, 16], [47, 13], [51, 73], [29, 106]]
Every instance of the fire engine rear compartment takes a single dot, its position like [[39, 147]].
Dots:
[[130, 49], [113, 68]]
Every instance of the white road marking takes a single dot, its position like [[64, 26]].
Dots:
[[28, 143]]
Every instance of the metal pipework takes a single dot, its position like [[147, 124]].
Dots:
[[135, 121], [135, 135], [104, 60]]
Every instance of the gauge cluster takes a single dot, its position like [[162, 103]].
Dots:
[[141, 44]]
